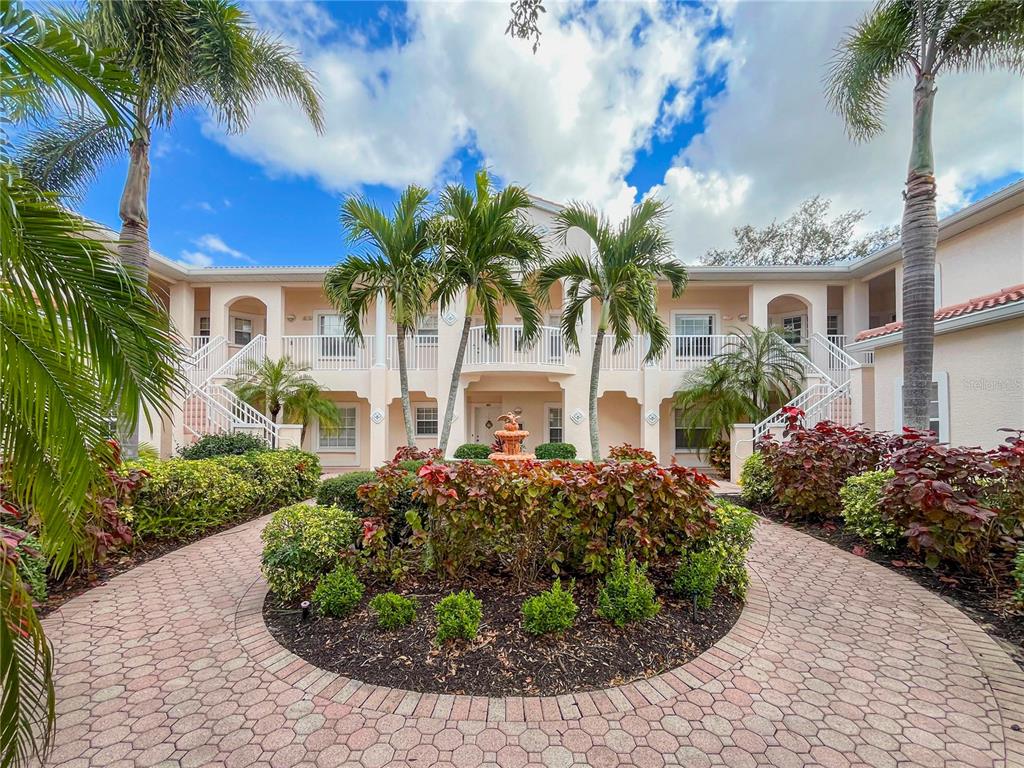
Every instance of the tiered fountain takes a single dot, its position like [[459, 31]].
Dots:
[[511, 439]]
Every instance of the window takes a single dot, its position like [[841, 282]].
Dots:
[[834, 327], [688, 439], [427, 327], [341, 436], [793, 329], [336, 342], [700, 327], [204, 325], [426, 420], [555, 431], [242, 328], [938, 406]]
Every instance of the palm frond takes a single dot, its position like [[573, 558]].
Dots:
[[987, 34]]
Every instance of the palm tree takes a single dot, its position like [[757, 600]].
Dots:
[[80, 343], [397, 271], [487, 249], [621, 274], [755, 374], [921, 39], [276, 385], [307, 404]]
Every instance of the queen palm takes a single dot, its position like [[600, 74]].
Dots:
[[273, 386], [755, 374], [920, 39], [621, 275], [488, 250], [397, 270], [97, 347]]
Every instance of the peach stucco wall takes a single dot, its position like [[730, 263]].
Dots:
[[983, 259]]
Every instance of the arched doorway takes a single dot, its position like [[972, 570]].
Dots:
[[246, 319], [790, 315]]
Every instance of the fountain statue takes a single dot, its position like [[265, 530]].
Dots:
[[511, 439]]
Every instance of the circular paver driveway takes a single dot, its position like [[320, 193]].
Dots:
[[835, 662]]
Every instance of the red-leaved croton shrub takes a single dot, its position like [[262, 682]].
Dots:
[[810, 465], [412, 453], [936, 497], [559, 515], [627, 452]]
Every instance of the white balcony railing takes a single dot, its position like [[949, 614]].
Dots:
[[685, 353], [629, 357], [328, 353], [420, 352], [510, 347]]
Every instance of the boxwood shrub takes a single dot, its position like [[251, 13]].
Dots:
[[756, 483], [731, 540], [555, 451], [302, 542], [341, 490], [861, 496], [338, 593], [234, 444], [553, 610], [472, 451]]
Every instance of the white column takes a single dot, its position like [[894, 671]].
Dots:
[[380, 333], [577, 389], [182, 309], [741, 445], [274, 302]]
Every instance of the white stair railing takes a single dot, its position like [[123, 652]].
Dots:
[[199, 366], [831, 358], [249, 356]]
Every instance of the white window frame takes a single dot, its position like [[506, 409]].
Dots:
[[252, 327], [338, 449], [804, 322], [200, 331], [416, 420], [938, 377], [675, 446], [677, 345], [332, 351], [548, 407], [838, 316]]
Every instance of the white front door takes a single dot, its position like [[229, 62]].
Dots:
[[485, 422]]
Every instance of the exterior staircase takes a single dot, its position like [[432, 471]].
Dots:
[[212, 408], [827, 395]]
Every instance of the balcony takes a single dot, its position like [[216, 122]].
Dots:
[[328, 353], [684, 353], [510, 350], [420, 352]]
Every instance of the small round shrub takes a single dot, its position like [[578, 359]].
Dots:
[[338, 592], [732, 539], [458, 616], [553, 610], [756, 482], [564, 451], [627, 594], [340, 491], [232, 444], [698, 574], [303, 541], [393, 610], [861, 496], [472, 451]]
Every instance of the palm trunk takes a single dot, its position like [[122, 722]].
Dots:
[[453, 389], [133, 243], [919, 239], [403, 382], [595, 373]]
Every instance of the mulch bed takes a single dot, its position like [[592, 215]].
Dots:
[[986, 602], [504, 660]]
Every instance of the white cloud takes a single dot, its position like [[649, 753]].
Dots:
[[196, 259], [771, 142], [216, 244]]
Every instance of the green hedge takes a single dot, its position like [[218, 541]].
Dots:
[[183, 498], [341, 490], [472, 451], [211, 446], [555, 451], [302, 542], [861, 496]]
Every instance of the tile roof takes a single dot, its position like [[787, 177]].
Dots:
[[1005, 296]]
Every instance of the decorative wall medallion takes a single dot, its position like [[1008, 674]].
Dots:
[[652, 418], [450, 317], [377, 416], [576, 416]]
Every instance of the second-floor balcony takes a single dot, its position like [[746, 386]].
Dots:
[[328, 353], [510, 348], [684, 353]]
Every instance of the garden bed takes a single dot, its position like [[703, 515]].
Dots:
[[988, 605], [504, 660]]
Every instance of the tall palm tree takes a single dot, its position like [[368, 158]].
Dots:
[[920, 39], [621, 274], [398, 270], [488, 249], [75, 333], [279, 385], [755, 374]]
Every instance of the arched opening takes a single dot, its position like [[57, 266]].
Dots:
[[246, 319], [790, 315], [538, 402], [619, 420]]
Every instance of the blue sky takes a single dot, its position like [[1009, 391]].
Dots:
[[711, 108]]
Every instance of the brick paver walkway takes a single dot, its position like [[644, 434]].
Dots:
[[835, 662]]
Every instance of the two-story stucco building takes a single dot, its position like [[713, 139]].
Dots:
[[843, 318]]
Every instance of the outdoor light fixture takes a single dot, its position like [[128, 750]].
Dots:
[[305, 610], [291, 318]]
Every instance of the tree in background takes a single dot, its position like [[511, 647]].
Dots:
[[756, 373], [919, 39], [621, 274], [487, 249], [398, 270], [809, 236], [524, 23], [80, 343]]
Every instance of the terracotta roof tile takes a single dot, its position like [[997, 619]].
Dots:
[[1005, 296]]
